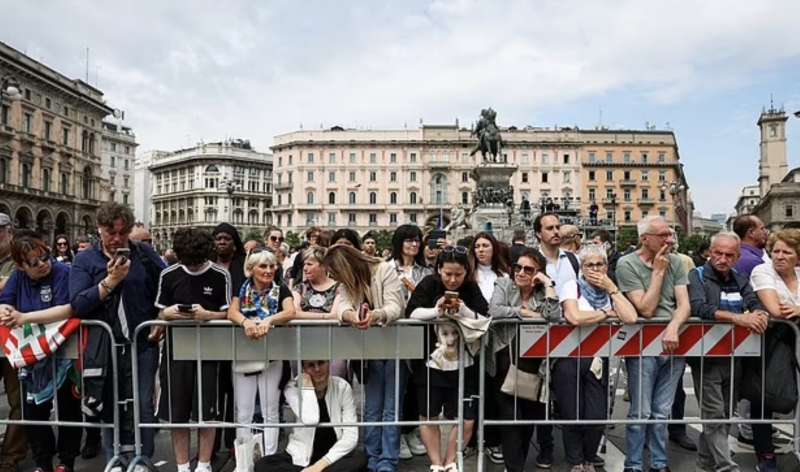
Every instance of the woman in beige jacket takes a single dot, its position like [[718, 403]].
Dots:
[[371, 294]]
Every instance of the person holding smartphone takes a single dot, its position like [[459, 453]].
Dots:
[[451, 292], [193, 289]]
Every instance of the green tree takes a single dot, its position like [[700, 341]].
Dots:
[[627, 236], [253, 234], [293, 240], [690, 244]]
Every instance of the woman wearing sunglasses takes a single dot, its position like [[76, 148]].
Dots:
[[452, 293], [530, 295], [261, 303], [581, 384], [371, 294], [38, 292], [63, 251]]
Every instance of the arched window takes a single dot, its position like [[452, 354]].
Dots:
[[352, 198], [373, 198], [393, 198], [212, 169], [310, 198], [412, 198], [332, 198]]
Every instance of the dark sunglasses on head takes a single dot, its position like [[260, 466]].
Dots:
[[516, 268], [455, 249]]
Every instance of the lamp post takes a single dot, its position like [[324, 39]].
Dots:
[[230, 187], [9, 88]]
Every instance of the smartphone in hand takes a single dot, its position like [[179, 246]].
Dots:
[[362, 311], [122, 255], [185, 308]]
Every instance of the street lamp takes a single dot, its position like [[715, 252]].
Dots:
[[9, 88], [674, 189], [230, 186]]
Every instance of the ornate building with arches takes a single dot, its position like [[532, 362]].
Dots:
[[208, 184], [50, 151]]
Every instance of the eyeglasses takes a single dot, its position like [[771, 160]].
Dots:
[[595, 265], [455, 249], [528, 270], [43, 259], [276, 238]]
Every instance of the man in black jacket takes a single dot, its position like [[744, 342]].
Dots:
[[718, 293]]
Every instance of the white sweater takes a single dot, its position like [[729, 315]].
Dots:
[[486, 279], [341, 408]]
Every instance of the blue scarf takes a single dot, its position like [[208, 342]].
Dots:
[[597, 297], [255, 304]]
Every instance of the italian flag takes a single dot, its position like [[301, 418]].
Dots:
[[30, 343]]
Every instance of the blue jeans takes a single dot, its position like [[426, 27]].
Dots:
[[660, 376], [382, 443], [148, 365]]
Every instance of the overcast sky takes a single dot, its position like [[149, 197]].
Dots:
[[206, 70]]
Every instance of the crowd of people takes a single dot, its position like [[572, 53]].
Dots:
[[470, 288]]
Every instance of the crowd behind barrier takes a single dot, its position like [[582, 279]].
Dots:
[[359, 360]]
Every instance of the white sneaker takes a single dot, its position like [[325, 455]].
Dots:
[[415, 443], [405, 452]]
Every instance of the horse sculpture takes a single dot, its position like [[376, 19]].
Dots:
[[490, 142]]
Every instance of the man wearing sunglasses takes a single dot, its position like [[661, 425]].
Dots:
[[315, 397]]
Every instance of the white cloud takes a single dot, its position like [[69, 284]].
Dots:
[[208, 69]]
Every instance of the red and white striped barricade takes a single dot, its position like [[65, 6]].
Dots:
[[695, 340]]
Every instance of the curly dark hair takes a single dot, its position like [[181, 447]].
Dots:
[[499, 261], [110, 212], [192, 246]]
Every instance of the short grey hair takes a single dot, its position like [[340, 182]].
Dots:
[[725, 235], [646, 224], [258, 258], [592, 250]]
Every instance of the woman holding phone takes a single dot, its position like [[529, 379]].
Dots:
[[452, 293], [371, 294], [261, 304]]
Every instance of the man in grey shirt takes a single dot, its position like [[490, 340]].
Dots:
[[655, 281]]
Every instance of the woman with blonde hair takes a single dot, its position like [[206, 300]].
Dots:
[[260, 304], [371, 294]]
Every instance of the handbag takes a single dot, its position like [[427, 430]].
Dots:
[[248, 452], [520, 383]]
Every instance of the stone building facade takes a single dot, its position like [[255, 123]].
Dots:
[[118, 159], [780, 207], [50, 147], [207, 184], [366, 179]]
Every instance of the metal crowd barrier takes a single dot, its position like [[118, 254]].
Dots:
[[697, 339], [299, 340], [71, 350]]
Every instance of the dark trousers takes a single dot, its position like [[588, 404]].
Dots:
[[15, 446], [492, 434], [580, 395], [225, 436], [410, 404], [356, 461], [762, 433], [678, 405], [516, 440], [41, 438]]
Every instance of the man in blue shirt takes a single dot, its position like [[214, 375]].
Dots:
[[753, 234], [121, 290]]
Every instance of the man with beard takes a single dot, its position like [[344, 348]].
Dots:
[[14, 447], [230, 254]]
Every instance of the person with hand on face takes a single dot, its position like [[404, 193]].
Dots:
[[529, 295], [117, 282], [371, 294], [587, 301], [656, 284], [38, 293], [315, 397], [717, 292], [193, 289], [452, 293], [260, 304]]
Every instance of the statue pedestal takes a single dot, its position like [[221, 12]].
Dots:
[[493, 197]]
